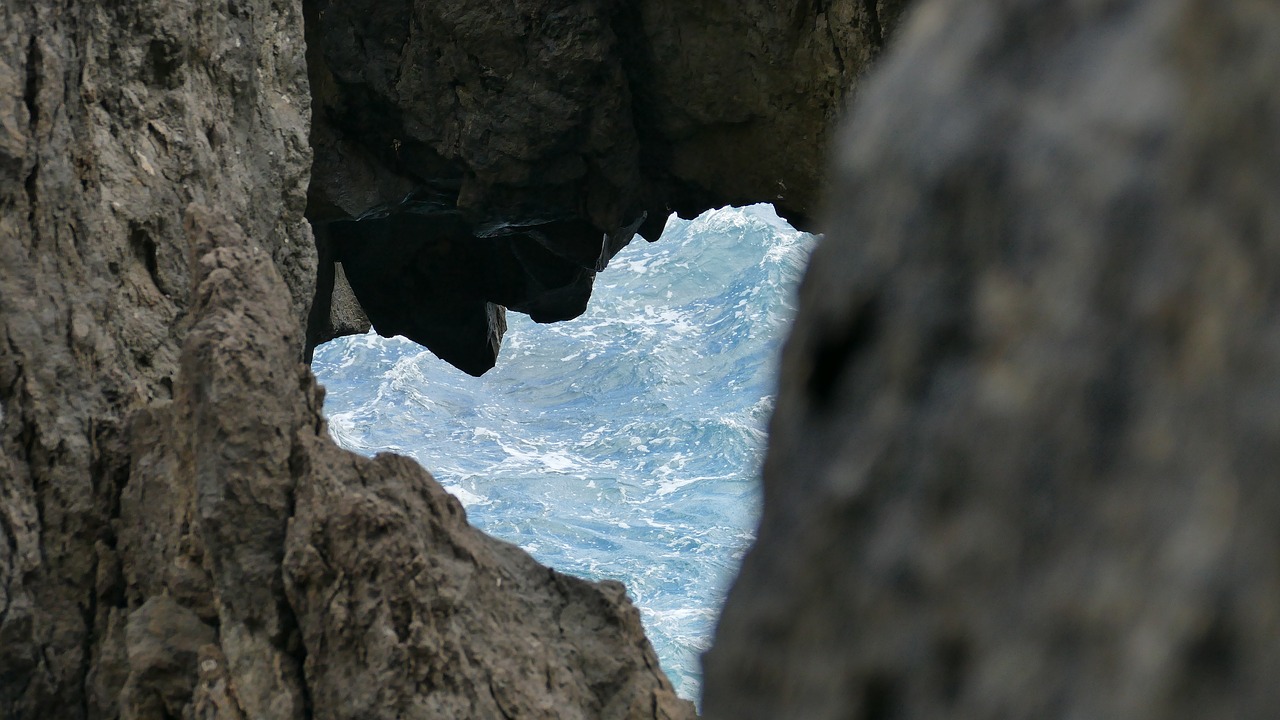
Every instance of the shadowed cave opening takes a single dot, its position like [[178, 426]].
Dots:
[[624, 444]]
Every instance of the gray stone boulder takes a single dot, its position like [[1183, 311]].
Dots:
[[1024, 459]]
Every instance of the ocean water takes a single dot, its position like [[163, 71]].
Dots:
[[624, 444]]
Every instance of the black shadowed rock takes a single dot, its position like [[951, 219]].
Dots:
[[472, 156]]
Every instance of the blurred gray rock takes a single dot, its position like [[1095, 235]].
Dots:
[[1023, 463]]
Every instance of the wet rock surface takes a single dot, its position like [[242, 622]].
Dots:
[[1023, 458], [489, 154]]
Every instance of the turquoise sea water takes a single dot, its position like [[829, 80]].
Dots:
[[624, 444]]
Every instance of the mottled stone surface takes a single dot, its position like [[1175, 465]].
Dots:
[[1024, 457]]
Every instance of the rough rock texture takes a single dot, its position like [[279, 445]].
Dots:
[[103, 143], [211, 487], [497, 154], [1024, 457], [167, 488], [408, 612], [341, 586]]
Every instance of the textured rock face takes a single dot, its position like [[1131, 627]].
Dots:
[[1026, 438], [448, 622], [341, 586], [499, 154], [103, 142], [178, 536]]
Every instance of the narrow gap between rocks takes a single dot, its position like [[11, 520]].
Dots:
[[624, 444]]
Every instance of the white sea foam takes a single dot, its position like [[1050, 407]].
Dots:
[[666, 487], [466, 497], [623, 444]]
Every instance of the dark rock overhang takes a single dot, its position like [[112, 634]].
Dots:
[[476, 157]]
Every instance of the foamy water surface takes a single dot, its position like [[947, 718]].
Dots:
[[624, 444]]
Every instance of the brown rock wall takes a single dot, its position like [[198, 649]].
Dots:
[[163, 462], [113, 118]]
